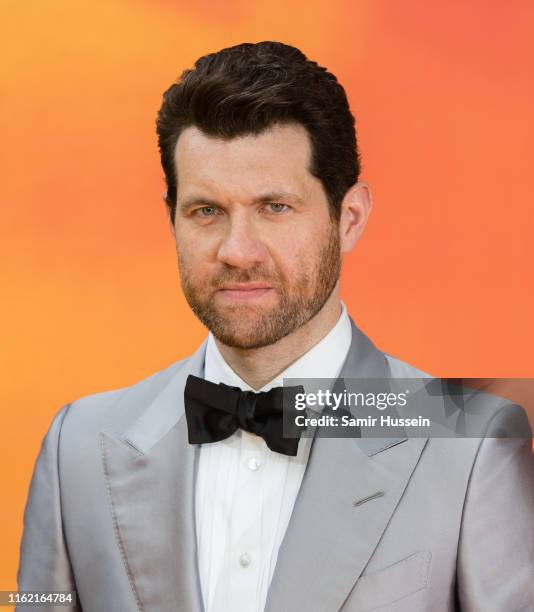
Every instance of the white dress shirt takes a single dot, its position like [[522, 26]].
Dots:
[[244, 493]]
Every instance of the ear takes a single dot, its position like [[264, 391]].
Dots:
[[355, 210]]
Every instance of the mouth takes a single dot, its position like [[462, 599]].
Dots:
[[245, 291]]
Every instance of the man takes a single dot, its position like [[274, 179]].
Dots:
[[155, 498]]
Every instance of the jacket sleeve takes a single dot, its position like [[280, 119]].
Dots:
[[44, 562], [495, 567]]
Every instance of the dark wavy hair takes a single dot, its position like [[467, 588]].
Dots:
[[248, 88]]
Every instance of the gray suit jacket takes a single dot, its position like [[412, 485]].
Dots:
[[398, 525]]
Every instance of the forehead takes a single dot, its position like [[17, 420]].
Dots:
[[278, 157]]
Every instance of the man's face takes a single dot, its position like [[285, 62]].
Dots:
[[257, 251]]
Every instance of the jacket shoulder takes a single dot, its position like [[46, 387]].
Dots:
[[487, 414], [401, 369], [115, 408]]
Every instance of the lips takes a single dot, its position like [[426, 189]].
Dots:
[[245, 291], [245, 287]]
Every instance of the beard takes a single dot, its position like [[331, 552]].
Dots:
[[250, 327]]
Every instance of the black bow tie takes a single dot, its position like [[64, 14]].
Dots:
[[215, 411]]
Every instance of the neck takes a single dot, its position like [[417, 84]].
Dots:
[[258, 366]]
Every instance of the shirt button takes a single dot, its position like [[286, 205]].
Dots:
[[253, 464], [244, 560]]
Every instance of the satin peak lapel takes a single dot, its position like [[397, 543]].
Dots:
[[349, 491], [150, 472]]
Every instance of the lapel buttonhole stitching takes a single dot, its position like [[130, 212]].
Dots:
[[359, 502]]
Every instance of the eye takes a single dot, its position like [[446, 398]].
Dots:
[[277, 208], [206, 211]]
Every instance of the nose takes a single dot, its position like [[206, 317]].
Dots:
[[241, 247]]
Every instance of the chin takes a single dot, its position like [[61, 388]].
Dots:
[[245, 343], [237, 335]]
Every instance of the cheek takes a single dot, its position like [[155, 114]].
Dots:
[[191, 250], [293, 257]]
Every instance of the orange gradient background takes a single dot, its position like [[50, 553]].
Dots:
[[443, 96]]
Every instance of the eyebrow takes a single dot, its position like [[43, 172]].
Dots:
[[274, 196]]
